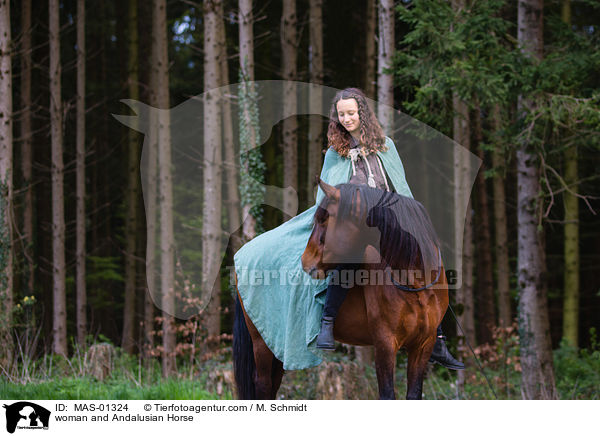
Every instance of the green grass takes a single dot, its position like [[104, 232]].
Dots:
[[90, 389], [54, 377]]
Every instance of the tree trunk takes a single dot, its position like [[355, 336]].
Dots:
[[500, 226], [370, 58], [26, 151], [463, 225], [385, 81], [315, 127], [571, 204], [534, 328], [151, 210], [248, 113], [151, 224], [289, 55], [165, 188], [211, 220], [59, 325], [231, 175], [365, 355], [571, 281], [246, 37], [81, 315], [149, 205], [463, 232], [6, 188], [133, 189], [485, 279]]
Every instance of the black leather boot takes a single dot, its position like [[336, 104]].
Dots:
[[325, 339], [336, 293], [442, 355]]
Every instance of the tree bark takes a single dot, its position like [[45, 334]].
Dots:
[[500, 226], [59, 325], [81, 301], [246, 39], [534, 328], [231, 174], [6, 184], [370, 57], [365, 355], [571, 204], [463, 232], [133, 189], [485, 279], [385, 81], [289, 55], [26, 146], [211, 220], [165, 185], [149, 205], [315, 127]]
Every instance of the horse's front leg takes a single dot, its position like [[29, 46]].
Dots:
[[385, 366], [417, 363]]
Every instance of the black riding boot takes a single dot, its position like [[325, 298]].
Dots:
[[336, 293], [442, 355]]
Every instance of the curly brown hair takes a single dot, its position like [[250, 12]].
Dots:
[[371, 133]]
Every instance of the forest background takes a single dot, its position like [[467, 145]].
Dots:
[[516, 83]]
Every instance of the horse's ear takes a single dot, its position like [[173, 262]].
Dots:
[[332, 193]]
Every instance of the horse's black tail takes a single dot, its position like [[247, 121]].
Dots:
[[243, 355]]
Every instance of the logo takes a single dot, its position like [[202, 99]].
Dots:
[[26, 415]]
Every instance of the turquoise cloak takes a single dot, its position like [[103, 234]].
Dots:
[[284, 302]]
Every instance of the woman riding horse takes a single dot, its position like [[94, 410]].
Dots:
[[355, 133], [359, 153]]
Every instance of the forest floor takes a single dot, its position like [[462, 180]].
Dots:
[[577, 376]]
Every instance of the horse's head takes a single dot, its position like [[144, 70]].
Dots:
[[340, 233]]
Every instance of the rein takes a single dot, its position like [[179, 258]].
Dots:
[[406, 288]]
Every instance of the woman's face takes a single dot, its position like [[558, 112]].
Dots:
[[348, 115]]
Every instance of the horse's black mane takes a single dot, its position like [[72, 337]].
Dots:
[[408, 238]]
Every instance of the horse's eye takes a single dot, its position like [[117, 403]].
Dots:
[[322, 238]]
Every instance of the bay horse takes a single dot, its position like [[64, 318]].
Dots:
[[390, 235]]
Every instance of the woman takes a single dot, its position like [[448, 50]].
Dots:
[[354, 132], [287, 312]]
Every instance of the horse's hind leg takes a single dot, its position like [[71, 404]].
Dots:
[[265, 364], [276, 376], [385, 365], [263, 377], [417, 363]]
